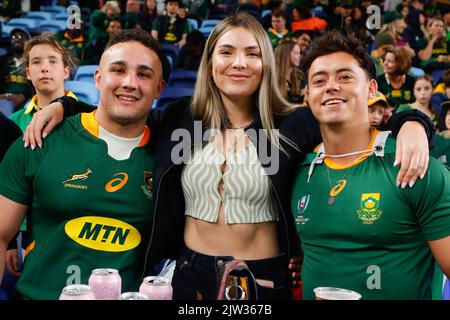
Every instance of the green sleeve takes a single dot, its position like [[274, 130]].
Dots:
[[430, 200], [16, 174], [403, 107], [187, 27], [155, 25]]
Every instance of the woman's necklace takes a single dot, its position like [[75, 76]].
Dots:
[[229, 125]]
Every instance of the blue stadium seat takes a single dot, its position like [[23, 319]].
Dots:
[[54, 9], [172, 94], [170, 50], [85, 73], [53, 26], [38, 15], [193, 22], [210, 23], [6, 107], [22, 22], [182, 78], [61, 16], [266, 12], [85, 91], [416, 72], [206, 30], [6, 31], [437, 76]]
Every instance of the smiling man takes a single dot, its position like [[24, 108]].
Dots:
[[88, 186], [359, 230]]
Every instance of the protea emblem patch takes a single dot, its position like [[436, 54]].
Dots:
[[370, 212]]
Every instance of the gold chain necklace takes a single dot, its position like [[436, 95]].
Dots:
[[229, 125]]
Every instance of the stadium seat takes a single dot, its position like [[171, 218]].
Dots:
[[206, 31], [54, 9], [53, 26], [38, 15], [266, 12], [182, 78], [170, 50], [210, 23], [416, 72], [61, 16], [85, 73], [6, 107], [193, 22], [22, 22], [172, 94], [85, 91], [437, 76]]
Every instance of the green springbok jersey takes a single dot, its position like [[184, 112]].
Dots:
[[373, 238], [88, 210]]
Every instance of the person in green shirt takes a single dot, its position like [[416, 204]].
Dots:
[[434, 51], [359, 229], [395, 83], [278, 33], [89, 187], [47, 64]]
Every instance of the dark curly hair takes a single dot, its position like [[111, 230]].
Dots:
[[334, 41]]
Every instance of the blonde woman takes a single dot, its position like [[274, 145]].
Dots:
[[287, 60], [223, 194]]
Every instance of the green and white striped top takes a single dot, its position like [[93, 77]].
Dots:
[[247, 197]]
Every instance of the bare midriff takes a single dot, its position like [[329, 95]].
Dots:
[[247, 241]]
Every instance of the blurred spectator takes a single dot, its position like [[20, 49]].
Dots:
[[342, 12], [75, 41], [95, 51], [395, 83], [423, 89], [10, 9], [441, 92], [198, 9], [130, 18], [190, 54], [302, 19], [394, 25], [444, 120], [415, 28], [278, 33], [169, 28], [434, 50], [148, 15], [377, 108], [14, 86], [273, 6], [303, 39], [354, 27], [47, 64], [287, 61], [383, 42], [99, 21]]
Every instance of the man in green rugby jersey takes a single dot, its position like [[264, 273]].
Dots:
[[359, 229], [88, 187]]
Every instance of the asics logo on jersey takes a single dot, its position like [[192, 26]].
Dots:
[[117, 183], [82, 176], [103, 234]]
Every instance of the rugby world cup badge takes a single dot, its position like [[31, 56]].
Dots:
[[303, 204], [369, 208]]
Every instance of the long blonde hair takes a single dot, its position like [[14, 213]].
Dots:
[[207, 103]]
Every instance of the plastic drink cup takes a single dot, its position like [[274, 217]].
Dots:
[[329, 293]]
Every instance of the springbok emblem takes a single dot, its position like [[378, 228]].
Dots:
[[82, 176]]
